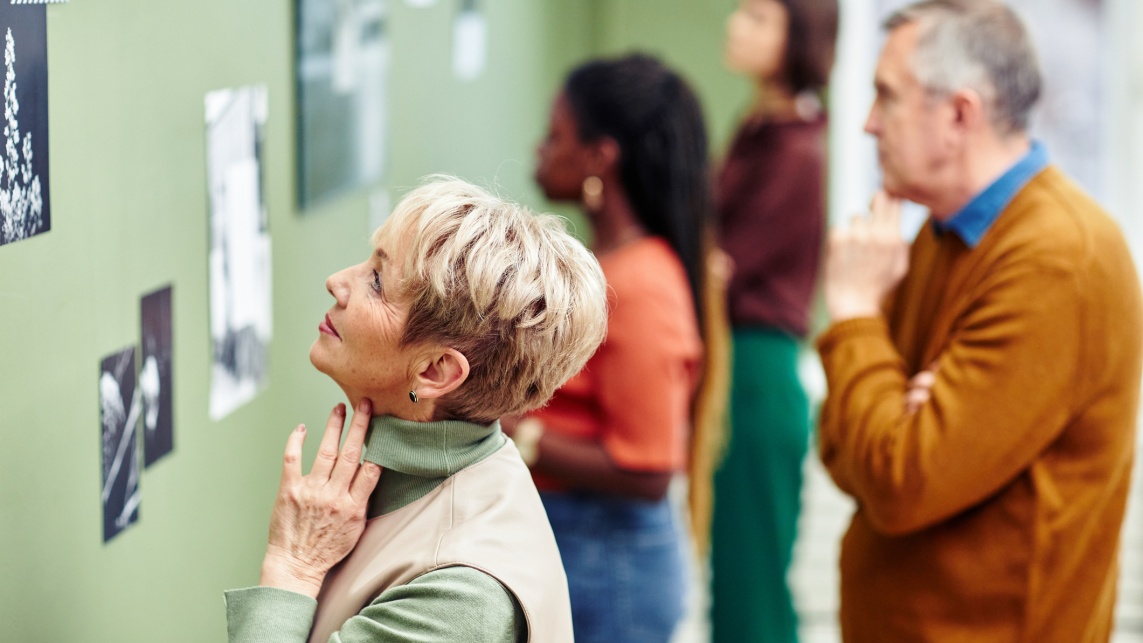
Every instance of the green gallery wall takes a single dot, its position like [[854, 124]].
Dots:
[[129, 214]]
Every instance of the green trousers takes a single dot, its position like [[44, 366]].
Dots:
[[757, 492]]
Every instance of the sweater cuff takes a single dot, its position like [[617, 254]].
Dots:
[[268, 615], [850, 328]]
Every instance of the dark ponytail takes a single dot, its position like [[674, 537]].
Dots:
[[657, 122]]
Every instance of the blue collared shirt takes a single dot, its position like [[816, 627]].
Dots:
[[978, 215]]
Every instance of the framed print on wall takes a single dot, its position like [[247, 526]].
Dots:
[[342, 69], [25, 206]]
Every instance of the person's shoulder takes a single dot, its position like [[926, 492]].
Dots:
[[651, 296], [648, 265], [455, 603], [462, 580], [800, 149], [808, 134], [1054, 217], [477, 590]]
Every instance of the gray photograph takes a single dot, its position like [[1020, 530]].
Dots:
[[155, 375], [119, 415], [343, 62], [240, 316]]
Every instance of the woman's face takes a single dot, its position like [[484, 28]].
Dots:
[[561, 158], [756, 38], [358, 344]]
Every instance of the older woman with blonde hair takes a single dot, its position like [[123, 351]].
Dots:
[[468, 308]]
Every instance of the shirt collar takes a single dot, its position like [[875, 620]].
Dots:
[[416, 457], [429, 449], [978, 215]]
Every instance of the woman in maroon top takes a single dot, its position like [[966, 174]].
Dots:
[[771, 207]]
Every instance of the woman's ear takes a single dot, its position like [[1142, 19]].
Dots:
[[603, 156], [440, 373]]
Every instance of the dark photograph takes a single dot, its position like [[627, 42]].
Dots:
[[155, 375], [119, 415], [24, 205]]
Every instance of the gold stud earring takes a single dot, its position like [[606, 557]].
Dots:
[[593, 193], [413, 397]]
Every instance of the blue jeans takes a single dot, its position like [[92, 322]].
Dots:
[[624, 563]]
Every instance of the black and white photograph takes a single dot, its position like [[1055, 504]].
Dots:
[[25, 209], [155, 373], [240, 315], [342, 71], [119, 416]]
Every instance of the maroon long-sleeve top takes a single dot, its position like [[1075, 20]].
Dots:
[[771, 206]]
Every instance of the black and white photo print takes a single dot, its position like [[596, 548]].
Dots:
[[25, 209], [155, 375], [119, 415], [240, 316], [343, 67]]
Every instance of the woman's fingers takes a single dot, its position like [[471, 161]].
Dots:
[[364, 482], [327, 452], [292, 462], [350, 459], [317, 519], [366, 475]]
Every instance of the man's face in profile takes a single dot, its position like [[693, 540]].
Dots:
[[907, 120]]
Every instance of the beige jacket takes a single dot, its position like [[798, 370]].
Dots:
[[487, 516]]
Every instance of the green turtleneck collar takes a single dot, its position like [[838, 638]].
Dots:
[[416, 457]]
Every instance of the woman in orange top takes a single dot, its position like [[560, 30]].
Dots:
[[626, 141]]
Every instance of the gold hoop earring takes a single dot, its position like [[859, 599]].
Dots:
[[593, 193], [413, 397]]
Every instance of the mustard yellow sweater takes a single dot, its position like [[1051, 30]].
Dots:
[[992, 514]]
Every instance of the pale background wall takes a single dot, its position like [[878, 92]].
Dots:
[[127, 78]]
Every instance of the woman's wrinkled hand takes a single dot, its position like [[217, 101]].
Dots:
[[318, 518]]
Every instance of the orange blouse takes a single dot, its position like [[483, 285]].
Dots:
[[634, 395]]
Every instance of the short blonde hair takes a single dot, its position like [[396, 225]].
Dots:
[[513, 291]]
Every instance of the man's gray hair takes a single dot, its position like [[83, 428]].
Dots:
[[975, 44]]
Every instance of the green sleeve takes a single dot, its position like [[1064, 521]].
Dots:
[[454, 604], [268, 615]]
